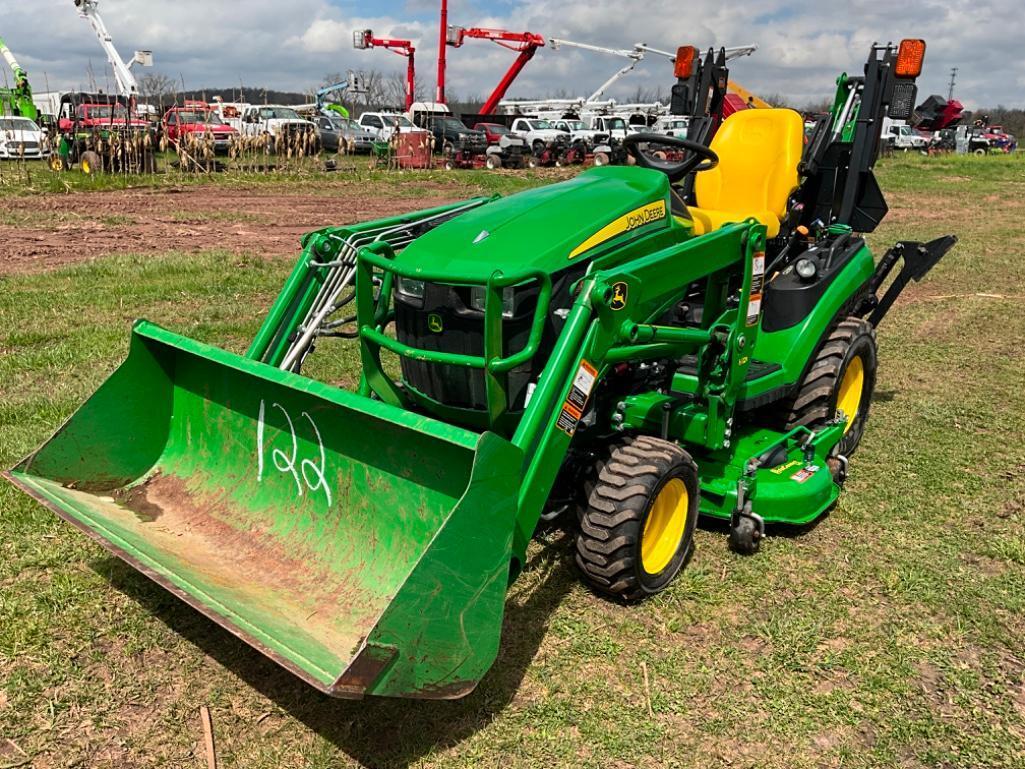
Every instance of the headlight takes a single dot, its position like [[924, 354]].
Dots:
[[414, 289], [478, 298], [806, 268]]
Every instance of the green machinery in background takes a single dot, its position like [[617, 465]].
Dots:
[[17, 100], [614, 352]]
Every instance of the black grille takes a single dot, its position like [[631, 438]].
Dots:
[[463, 333]]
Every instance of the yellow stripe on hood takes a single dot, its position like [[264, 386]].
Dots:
[[636, 219]]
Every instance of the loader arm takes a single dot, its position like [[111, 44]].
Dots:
[[598, 334]]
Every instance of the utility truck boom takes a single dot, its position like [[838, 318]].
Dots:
[[354, 85], [127, 85], [362, 39], [524, 43], [635, 55], [16, 101]]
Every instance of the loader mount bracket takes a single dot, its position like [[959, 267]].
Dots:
[[918, 258]]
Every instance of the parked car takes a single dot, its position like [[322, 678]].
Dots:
[[899, 136], [495, 131], [340, 134], [22, 139], [615, 127], [672, 125], [383, 125], [459, 144], [999, 139], [276, 121], [539, 134], [87, 116], [578, 131], [200, 120]]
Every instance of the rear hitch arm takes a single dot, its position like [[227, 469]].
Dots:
[[918, 258]]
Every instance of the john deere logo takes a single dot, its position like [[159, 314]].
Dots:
[[619, 295], [435, 323]]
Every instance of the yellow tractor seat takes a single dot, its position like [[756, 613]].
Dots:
[[759, 151]]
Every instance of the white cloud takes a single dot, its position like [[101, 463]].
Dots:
[[804, 44]]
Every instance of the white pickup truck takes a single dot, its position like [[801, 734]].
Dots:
[[273, 120], [898, 135], [384, 125], [614, 127], [578, 130], [537, 133], [672, 125]]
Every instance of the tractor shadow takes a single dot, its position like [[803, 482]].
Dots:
[[377, 732], [884, 396]]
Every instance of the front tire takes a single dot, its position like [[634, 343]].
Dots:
[[637, 531], [841, 378]]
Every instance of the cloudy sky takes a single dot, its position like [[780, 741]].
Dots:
[[292, 44]]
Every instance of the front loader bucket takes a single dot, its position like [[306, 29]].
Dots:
[[364, 548]]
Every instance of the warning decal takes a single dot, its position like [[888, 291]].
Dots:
[[576, 403], [754, 308], [568, 419], [805, 474]]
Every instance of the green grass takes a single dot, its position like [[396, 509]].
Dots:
[[19, 179], [891, 634]]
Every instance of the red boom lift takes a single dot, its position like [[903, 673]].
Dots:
[[364, 39], [524, 43]]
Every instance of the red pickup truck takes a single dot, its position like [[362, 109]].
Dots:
[[98, 116], [198, 118]]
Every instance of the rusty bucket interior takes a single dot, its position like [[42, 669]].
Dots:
[[364, 548]]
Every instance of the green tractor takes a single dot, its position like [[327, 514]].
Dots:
[[606, 351]]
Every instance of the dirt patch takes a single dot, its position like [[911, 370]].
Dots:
[[43, 232], [234, 550], [984, 565]]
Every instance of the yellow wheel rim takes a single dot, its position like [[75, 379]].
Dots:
[[86, 167], [665, 526], [852, 390]]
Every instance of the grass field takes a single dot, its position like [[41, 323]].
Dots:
[[890, 634]]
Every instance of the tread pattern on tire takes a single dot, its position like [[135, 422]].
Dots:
[[610, 528], [810, 404]]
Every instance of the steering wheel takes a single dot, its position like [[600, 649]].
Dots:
[[701, 158]]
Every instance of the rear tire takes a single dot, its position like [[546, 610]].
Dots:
[[601, 159], [493, 162], [90, 163], [842, 376], [637, 530]]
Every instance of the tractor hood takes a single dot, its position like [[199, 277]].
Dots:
[[548, 227]]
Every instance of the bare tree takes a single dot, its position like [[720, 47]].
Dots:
[[157, 86], [394, 89]]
